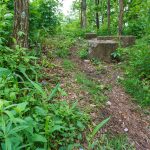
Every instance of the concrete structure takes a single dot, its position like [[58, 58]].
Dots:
[[103, 46], [89, 36], [102, 49]]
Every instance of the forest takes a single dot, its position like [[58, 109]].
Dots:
[[75, 81]]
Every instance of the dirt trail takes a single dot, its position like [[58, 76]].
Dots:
[[127, 117]]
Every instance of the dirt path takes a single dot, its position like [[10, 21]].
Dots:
[[127, 117]]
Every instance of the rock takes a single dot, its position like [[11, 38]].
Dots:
[[126, 130], [102, 49], [92, 105], [44, 82], [109, 103], [87, 61]]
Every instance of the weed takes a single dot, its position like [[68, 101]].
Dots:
[[136, 81], [83, 53], [30, 118], [63, 53], [119, 142], [59, 45], [95, 61], [68, 64], [67, 122], [139, 91], [116, 55], [90, 138], [94, 89]]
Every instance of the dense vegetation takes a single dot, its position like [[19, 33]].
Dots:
[[32, 114]]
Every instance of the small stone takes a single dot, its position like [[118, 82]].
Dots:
[[126, 130], [44, 82], [118, 77], [92, 105], [86, 61], [108, 103]]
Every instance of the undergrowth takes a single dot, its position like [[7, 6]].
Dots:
[[58, 46], [119, 142], [94, 89], [68, 65], [83, 48], [30, 117], [137, 78]]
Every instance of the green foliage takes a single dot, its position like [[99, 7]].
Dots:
[[119, 142], [72, 29], [6, 17], [94, 89], [95, 61], [30, 115], [44, 21], [30, 118], [139, 10], [83, 48], [99, 126], [116, 55], [63, 48], [83, 53], [139, 90], [91, 142], [58, 46], [138, 71], [43, 16], [67, 122], [68, 65], [63, 53], [17, 58]]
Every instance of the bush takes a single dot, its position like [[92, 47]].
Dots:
[[30, 118], [83, 53], [137, 80]]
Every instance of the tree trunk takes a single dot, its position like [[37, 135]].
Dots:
[[121, 12], [97, 14], [83, 14], [108, 15], [21, 22]]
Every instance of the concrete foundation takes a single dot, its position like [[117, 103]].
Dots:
[[89, 36], [124, 41], [102, 49]]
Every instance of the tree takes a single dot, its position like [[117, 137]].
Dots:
[[21, 22], [83, 14], [108, 15], [121, 12], [97, 14]]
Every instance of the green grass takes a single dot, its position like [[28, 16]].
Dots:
[[94, 89], [68, 65], [137, 68], [63, 53], [83, 53], [119, 142], [140, 92]]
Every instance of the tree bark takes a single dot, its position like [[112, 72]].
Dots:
[[21, 22], [97, 14], [108, 15], [83, 14], [121, 13]]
